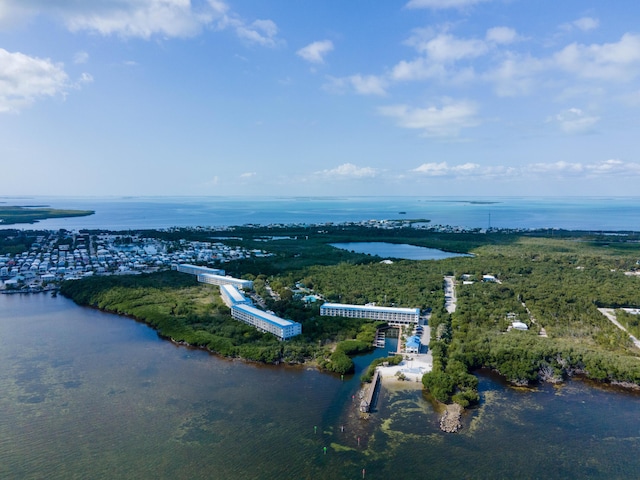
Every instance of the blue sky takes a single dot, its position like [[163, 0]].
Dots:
[[319, 97]]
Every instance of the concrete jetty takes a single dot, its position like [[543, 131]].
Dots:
[[367, 401]]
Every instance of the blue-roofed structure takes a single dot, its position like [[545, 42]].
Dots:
[[413, 344]]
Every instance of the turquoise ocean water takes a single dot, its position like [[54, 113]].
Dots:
[[593, 213]]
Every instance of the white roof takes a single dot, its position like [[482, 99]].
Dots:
[[233, 292], [269, 317], [373, 308]]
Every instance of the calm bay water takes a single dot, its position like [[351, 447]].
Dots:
[[397, 250], [84, 394], [118, 213]]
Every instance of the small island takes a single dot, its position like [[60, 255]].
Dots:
[[11, 215]]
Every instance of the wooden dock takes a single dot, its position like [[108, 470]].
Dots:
[[380, 339], [367, 401]]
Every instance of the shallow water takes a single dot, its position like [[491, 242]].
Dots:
[[92, 395], [396, 250], [122, 213]]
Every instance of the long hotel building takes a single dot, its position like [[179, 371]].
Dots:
[[266, 322], [231, 296], [393, 315], [196, 270], [222, 280]]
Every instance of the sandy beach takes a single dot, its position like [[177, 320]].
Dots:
[[412, 367]]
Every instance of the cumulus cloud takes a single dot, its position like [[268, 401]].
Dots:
[[516, 74], [446, 121], [81, 57], [520, 74], [443, 4], [316, 51], [609, 61], [360, 84], [349, 170], [584, 24], [143, 18], [25, 79], [248, 175], [418, 69], [260, 32], [443, 169], [610, 167], [440, 54], [574, 120], [444, 47], [558, 170], [501, 35]]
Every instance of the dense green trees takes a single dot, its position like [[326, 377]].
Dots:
[[556, 283], [191, 313]]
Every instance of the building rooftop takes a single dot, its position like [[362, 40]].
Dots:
[[269, 317], [372, 308]]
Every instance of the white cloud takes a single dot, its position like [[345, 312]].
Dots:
[[25, 79], [609, 61], [516, 74], [444, 47], [143, 18], [446, 121], [440, 52], [574, 120], [84, 78], [611, 167], [349, 170], [360, 84], [418, 69], [81, 57], [368, 84], [587, 23], [248, 175], [316, 51], [261, 32], [558, 170], [443, 169], [501, 35], [442, 4]]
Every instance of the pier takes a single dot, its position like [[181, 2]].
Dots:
[[380, 339], [367, 401]]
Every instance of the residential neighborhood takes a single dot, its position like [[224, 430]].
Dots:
[[55, 257]]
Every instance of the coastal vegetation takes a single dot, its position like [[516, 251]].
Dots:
[[10, 215], [189, 313], [552, 281]]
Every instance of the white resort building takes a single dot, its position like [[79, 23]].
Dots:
[[393, 315], [241, 307], [197, 270], [222, 280], [231, 296], [266, 322], [213, 276]]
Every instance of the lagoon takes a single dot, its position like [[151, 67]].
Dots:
[[397, 250], [87, 394]]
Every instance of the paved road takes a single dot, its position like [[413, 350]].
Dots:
[[450, 294], [611, 315]]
